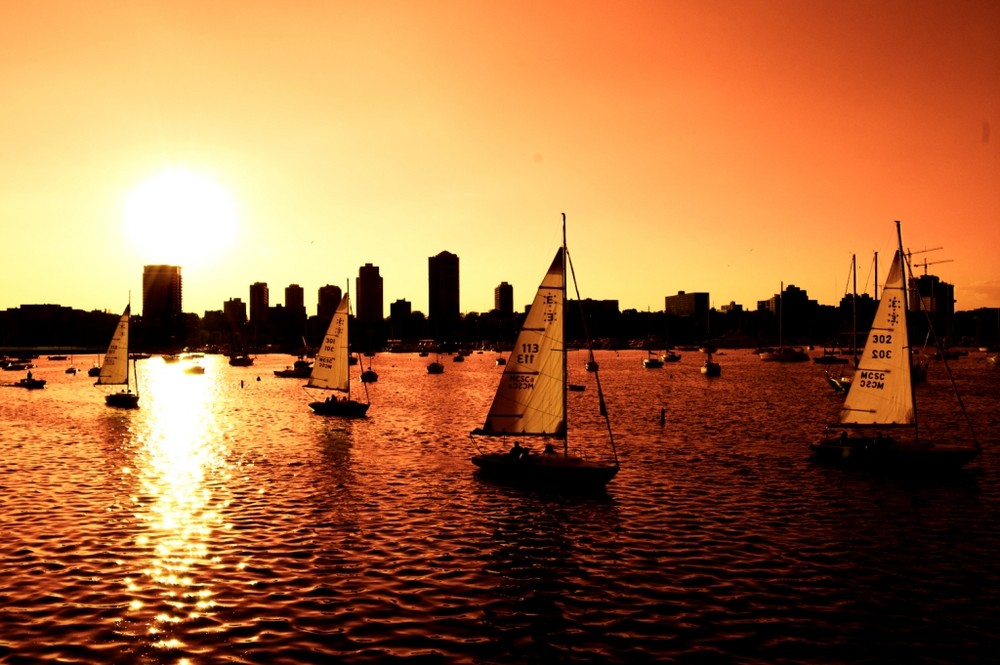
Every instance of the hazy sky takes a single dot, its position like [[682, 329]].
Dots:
[[697, 145]]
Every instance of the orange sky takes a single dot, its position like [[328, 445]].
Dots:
[[723, 146]]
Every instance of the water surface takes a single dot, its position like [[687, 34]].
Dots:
[[224, 522]]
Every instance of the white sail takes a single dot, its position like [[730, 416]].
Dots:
[[114, 369], [531, 396], [882, 391], [330, 368]]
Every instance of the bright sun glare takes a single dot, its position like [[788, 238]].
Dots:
[[179, 217]]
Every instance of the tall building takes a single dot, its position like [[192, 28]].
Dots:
[[368, 288], [161, 307], [260, 301], [295, 301], [443, 314], [686, 304], [503, 298], [235, 311], [329, 298], [368, 308]]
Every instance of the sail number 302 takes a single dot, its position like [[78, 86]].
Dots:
[[881, 354]]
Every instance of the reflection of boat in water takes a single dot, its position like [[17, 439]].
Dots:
[[331, 371], [532, 396], [115, 368], [881, 397]]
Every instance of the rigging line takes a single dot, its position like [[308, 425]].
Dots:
[[597, 374], [932, 334]]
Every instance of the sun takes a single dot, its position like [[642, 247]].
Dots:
[[179, 217]]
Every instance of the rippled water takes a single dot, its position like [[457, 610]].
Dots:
[[223, 522]]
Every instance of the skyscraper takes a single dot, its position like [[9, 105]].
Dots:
[[295, 302], [260, 301], [329, 297], [161, 307], [443, 303], [503, 298], [369, 295]]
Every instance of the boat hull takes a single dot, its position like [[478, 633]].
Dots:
[[344, 408], [555, 472], [122, 400], [890, 455], [31, 384]]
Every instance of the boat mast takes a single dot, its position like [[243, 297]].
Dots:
[[854, 310], [904, 267], [565, 373]]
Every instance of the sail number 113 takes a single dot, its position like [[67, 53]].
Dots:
[[527, 354]]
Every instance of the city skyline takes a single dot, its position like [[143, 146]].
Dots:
[[724, 147]]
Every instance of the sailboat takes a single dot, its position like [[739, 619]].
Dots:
[[710, 367], [115, 370], [532, 397], [331, 369], [882, 397], [782, 353]]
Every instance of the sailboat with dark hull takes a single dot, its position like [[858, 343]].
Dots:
[[531, 401], [331, 369], [881, 398], [115, 367]]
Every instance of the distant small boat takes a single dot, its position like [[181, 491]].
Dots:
[[115, 368], [651, 361], [670, 357], [240, 360], [29, 383], [710, 367], [301, 369], [332, 371], [435, 368], [501, 361], [194, 369], [784, 354]]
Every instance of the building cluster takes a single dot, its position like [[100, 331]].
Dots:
[[788, 317]]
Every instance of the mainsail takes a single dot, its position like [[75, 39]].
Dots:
[[882, 391], [330, 368], [531, 396], [114, 369]]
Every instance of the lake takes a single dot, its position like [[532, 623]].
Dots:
[[224, 522]]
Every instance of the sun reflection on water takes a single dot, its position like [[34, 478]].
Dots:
[[180, 460]]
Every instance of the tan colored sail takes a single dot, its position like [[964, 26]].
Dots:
[[114, 369], [330, 368], [530, 397], [882, 390]]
